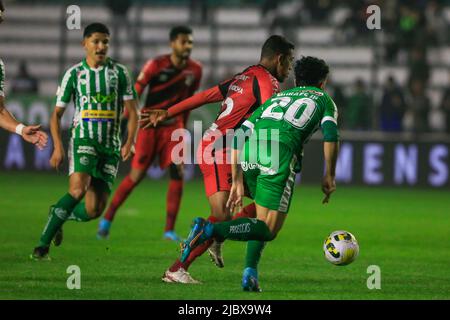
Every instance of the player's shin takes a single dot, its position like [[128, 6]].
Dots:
[[254, 252], [79, 213], [58, 215], [174, 194], [242, 229]]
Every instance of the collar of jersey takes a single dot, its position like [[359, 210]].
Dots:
[[85, 64]]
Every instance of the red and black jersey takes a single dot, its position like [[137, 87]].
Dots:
[[240, 96], [168, 85]]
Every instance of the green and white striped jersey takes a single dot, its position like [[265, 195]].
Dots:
[[2, 79], [98, 95], [292, 116]]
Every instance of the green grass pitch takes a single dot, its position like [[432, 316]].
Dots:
[[405, 232]]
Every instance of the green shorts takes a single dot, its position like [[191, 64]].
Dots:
[[269, 172], [94, 159]]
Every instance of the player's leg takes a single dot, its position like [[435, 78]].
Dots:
[[174, 193], [61, 210], [145, 151], [96, 199]]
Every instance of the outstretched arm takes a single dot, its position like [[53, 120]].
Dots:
[[31, 134], [151, 118]]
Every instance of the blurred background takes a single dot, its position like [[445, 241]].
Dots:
[[391, 86]]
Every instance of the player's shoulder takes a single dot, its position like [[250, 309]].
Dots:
[[74, 68]]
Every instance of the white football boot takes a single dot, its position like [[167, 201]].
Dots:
[[179, 276]]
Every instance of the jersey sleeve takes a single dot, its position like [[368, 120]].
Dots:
[[328, 122], [126, 88], [2, 79], [213, 94], [66, 89], [148, 71]]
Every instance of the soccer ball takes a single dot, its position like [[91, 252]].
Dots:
[[341, 248]]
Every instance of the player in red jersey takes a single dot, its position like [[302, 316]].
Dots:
[[241, 95], [170, 78]]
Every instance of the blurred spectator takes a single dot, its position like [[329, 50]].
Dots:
[[198, 11], [411, 26], [354, 27], [318, 10], [335, 91], [418, 65], [359, 108], [283, 17], [436, 27], [418, 107], [392, 108], [119, 10], [24, 83]]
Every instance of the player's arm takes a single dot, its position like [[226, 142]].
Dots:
[[132, 127], [31, 134], [63, 97], [240, 137], [129, 96], [330, 150], [214, 94], [57, 157]]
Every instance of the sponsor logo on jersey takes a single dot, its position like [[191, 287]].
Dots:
[[98, 115], [236, 88], [251, 166], [98, 98], [242, 77]]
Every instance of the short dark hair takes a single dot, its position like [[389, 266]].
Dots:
[[276, 45], [175, 31], [95, 27], [310, 71], [2, 8]]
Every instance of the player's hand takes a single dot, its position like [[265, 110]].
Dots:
[[235, 199], [328, 187], [151, 118], [34, 135], [127, 151], [57, 158]]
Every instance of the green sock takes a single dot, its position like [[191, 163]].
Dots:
[[254, 251], [79, 213], [58, 215], [242, 229]]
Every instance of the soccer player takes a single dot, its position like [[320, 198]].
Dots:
[[241, 95], [100, 88], [31, 134], [270, 159], [170, 78]]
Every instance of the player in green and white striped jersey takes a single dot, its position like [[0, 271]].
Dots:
[[100, 88], [31, 134]]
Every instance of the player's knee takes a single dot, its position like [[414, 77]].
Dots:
[[77, 192]]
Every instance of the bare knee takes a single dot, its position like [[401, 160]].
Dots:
[[77, 192]]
